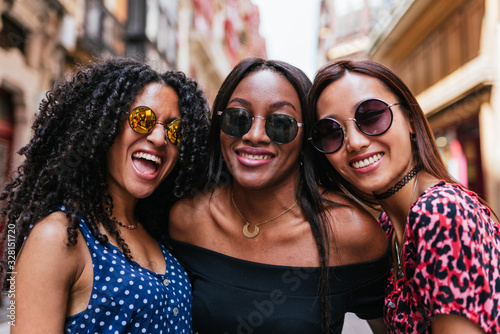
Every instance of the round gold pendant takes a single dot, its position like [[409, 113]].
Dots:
[[249, 234]]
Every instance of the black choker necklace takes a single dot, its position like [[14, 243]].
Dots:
[[401, 183]]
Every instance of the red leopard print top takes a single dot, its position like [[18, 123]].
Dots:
[[452, 256]]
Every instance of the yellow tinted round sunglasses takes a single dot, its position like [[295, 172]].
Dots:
[[143, 120]]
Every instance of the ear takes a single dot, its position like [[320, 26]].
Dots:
[[412, 125]]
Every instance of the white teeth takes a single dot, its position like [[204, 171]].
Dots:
[[147, 156], [368, 161], [255, 157]]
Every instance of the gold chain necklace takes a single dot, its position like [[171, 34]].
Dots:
[[256, 230], [399, 273]]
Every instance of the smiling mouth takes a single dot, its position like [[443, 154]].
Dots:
[[145, 162], [367, 162], [255, 157]]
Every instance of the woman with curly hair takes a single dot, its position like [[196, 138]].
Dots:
[[112, 149]]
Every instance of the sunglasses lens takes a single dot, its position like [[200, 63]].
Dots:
[[327, 135], [373, 117], [142, 119], [281, 128], [235, 122], [173, 132]]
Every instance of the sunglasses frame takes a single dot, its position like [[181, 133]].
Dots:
[[341, 125], [171, 126], [221, 112]]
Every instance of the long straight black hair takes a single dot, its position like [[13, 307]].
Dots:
[[425, 150], [307, 191]]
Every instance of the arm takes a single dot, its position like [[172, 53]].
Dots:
[[356, 233], [451, 324], [455, 264], [360, 239], [377, 326], [46, 269]]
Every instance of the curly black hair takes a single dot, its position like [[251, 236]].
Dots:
[[65, 161]]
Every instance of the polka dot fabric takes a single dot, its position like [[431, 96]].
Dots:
[[127, 298]]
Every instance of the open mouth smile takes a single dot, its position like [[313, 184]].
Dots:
[[145, 162], [366, 162]]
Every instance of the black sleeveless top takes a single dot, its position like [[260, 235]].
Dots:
[[231, 295]]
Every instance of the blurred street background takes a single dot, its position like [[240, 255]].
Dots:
[[447, 51]]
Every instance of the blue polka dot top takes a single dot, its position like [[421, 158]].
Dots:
[[127, 298]]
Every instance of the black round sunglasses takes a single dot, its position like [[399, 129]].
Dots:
[[280, 128], [373, 117]]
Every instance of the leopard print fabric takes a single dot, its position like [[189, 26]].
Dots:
[[452, 257]]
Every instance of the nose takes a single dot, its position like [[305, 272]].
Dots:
[[257, 132], [158, 136], [354, 138]]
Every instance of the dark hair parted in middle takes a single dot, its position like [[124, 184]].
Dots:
[[425, 151], [307, 191]]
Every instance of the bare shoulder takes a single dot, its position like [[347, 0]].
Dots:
[[356, 232], [49, 236], [186, 214], [53, 229], [47, 269], [46, 253]]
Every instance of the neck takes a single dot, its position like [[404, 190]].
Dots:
[[258, 205], [400, 184], [397, 206], [123, 208]]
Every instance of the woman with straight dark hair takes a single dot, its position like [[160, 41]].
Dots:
[[88, 208], [373, 139], [266, 253]]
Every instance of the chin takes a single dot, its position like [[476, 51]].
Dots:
[[142, 191]]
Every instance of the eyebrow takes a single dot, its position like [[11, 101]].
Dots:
[[275, 105], [242, 101]]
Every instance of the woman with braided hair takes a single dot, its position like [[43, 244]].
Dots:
[[112, 149]]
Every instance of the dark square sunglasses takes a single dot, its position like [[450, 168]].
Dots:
[[280, 128], [372, 117], [143, 120]]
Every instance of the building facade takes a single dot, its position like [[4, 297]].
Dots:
[[33, 48], [346, 27], [42, 40], [214, 35], [447, 51]]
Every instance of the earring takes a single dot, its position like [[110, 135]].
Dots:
[[413, 137]]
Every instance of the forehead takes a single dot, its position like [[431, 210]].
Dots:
[[354, 88], [160, 98], [341, 98], [266, 87]]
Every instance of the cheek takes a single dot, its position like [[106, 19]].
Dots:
[[339, 165], [173, 154], [225, 143]]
